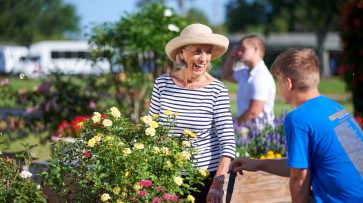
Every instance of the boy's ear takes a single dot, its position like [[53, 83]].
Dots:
[[290, 83]]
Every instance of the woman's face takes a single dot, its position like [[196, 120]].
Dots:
[[197, 58]]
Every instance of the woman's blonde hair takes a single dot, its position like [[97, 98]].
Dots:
[[301, 65]]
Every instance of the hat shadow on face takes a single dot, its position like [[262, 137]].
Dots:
[[197, 34]]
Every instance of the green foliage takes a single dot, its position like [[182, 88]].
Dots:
[[124, 161], [136, 44], [25, 22], [8, 94], [282, 16], [15, 182], [352, 33], [195, 15], [60, 97]]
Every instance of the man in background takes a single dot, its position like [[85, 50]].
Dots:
[[256, 87]]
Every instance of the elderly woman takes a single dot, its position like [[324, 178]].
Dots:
[[202, 103]]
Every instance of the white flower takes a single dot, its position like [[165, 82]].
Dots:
[[168, 13], [39, 187], [173, 28], [107, 122], [25, 174], [115, 112]]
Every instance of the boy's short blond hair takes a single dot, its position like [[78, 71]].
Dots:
[[301, 65]]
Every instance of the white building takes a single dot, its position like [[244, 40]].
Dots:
[[68, 57], [9, 56]]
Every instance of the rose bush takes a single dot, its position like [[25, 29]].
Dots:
[[15, 182], [118, 161]]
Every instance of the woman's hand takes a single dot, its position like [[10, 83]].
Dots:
[[215, 194]]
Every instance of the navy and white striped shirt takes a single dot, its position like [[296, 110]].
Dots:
[[204, 111]]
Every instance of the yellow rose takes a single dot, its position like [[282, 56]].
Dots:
[[190, 198], [146, 119], [91, 142], [156, 149], [127, 173], [189, 133], [119, 201], [204, 172], [262, 157], [186, 143], [108, 138], [115, 112], [168, 112], [97, 138], [165, 150], [105, 197], [154, 124], [185, 155], [126, 151], [278, 156], [107, 122], [155, 116], [139, 146], [178, 180], [116, 190], [150, 131], [137, 187], [96, 118]]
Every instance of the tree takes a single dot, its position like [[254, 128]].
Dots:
[[319, 17], [137, 44], [195, 15], [352, 35], [25, 21]]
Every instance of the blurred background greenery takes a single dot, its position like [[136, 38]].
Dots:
[[134, 48]]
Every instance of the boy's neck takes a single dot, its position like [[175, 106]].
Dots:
[[301, 97]]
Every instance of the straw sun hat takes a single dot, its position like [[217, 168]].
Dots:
[[197, 34]]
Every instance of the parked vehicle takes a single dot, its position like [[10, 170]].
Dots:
[[68, 57], [9, 56]]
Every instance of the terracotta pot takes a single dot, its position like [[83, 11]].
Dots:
[[260, 187]]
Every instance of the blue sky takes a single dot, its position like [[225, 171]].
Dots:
[[98, 11]]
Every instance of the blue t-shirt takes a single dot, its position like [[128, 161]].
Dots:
[[323, 137]]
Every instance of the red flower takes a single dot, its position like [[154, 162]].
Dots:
[[359, 121], [77, 122], [87, 154], [62, 125]]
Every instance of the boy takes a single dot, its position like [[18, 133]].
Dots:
[[325, 144]]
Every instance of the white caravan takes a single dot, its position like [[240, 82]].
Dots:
[[68, 57], [9, 56]]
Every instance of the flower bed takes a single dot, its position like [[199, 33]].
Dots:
[[117, 161], [261, 140]]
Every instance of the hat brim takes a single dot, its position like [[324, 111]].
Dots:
[[219, 42]]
